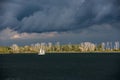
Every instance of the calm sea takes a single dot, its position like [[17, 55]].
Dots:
[[72, 66]]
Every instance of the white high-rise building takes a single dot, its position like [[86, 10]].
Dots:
[[103, 46], [117, 45]]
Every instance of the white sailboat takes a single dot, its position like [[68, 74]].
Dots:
[[41, 52]]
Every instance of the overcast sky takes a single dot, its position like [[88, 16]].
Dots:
[[30, 21]]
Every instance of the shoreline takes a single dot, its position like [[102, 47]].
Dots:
[[96, 52]]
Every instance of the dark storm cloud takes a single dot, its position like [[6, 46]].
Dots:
[[57, 15]]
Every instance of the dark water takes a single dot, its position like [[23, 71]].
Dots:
[[60, 67]]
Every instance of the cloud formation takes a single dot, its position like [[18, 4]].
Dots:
[[41, 16], [95, 33], [26, 22], [8, 34]]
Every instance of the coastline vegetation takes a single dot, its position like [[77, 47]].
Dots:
[[85, 47]]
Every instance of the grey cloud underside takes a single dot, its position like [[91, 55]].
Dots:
[[57, 15]]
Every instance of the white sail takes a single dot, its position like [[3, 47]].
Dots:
[[41, 52]]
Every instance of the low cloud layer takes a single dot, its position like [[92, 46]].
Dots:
[[40, 16], [95, 33], [8, 34]]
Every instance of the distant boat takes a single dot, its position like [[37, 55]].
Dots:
[[41, 52]]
